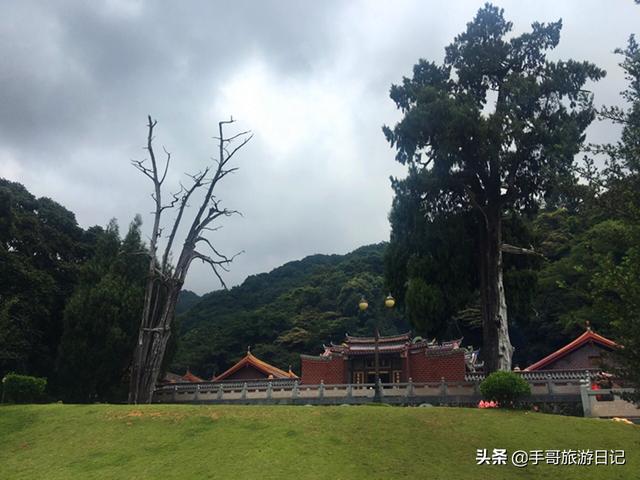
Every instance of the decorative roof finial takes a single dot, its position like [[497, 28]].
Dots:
[[588, 325], [248, 349]]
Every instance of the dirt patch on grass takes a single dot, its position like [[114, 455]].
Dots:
[[163, 415], [135, 413], [140, 414]]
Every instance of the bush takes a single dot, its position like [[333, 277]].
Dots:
[[23, 388], [505, 387]]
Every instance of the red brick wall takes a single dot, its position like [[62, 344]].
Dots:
[[431, 367], [424, 367], [329, 370]]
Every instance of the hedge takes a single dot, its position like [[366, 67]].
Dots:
[[23, 388]]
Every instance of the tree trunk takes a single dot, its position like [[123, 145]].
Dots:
[[165, 282], [496, 344], [153, 339]]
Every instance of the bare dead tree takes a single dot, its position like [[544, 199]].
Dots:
[[165, 280]]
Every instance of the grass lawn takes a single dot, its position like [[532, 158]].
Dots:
[[49, 442]]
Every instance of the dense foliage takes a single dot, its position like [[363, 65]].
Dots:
[[69, 298], [507, 388], [186, 300], [41, 249], [23, 388]]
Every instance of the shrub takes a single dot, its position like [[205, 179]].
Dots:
[[505, 387], [23, 388]]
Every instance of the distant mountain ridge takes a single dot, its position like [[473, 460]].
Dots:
[[186, 300]]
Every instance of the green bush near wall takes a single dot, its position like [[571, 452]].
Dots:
[[23, 388], [505, 387]]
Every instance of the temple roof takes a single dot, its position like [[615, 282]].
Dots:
[[175, 378], [588, 336], [190, 377], [250, 360], [402, 338], [389, 344], [170, 377], [365, 348]]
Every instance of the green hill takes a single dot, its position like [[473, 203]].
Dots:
[[278, 442], [290, 310], [186, 300]]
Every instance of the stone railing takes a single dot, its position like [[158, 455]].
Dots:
[[558, 386], [606, 403], [543, 375]]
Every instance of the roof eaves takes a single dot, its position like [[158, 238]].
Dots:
[[587, 336]]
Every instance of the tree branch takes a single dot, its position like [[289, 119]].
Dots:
[[220, 255], [506, 248], [214, 265], [232, 138], [166, 165], [140, 166], [233, 152], [475, 203], [214, 212], [197, 182]]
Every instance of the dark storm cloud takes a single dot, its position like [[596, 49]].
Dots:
[[310, 78], [74, 68]]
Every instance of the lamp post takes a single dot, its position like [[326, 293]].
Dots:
[[389, 303]]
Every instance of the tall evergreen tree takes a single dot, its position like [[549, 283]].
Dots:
[[493, 129], [618, 284], [100, 320]]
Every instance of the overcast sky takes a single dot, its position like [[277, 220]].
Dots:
[[310, 78]]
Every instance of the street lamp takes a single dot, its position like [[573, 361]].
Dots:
[[389, 303], [362, 304]]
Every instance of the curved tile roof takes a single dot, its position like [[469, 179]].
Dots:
[[250, 360], [586, 337]]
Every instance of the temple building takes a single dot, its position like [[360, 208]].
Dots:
[[251, 368], [400, 359], [188, 377], [585, 352], [248, 369]]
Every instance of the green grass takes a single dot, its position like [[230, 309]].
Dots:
[[279, 442]]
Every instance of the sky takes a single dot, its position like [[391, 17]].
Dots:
[[310, 79]]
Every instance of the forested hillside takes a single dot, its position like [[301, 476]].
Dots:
[[186, 300], [290, 310]]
